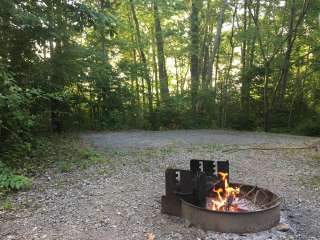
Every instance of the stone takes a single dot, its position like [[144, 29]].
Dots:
[[187, 223], [283, 227]]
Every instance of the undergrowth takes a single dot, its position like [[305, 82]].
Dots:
[[62, 153], [59, 153], [10, 180]]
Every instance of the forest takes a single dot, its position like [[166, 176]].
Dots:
[[74, 65]]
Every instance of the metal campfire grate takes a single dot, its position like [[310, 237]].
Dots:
[[187, 193]]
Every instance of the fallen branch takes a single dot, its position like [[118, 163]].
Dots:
[[231, 150]]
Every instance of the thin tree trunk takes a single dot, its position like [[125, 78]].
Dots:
[[244, 79], [204, 57], [195, 41], [227, 77], [216, 77], [267, 61], [163, 77], [136, 78], [291, 37], [266, 109], [177, 75], [145, 64], [155, 71], [216, 42]]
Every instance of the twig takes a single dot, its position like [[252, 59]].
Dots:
[[255, 197], [270, 203], [248, 193]]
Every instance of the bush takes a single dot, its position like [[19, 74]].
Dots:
[[16, 120], [309, 127], [11, 181]]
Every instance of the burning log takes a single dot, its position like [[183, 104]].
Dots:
[[224, 195]]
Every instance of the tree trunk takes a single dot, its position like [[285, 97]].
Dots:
[[155, 71], [266, 109], [204, 57], [145, 64], [195, 42], [227, 76], [244, 79], [291, 37], [216, 42], [163, 77], [216, 78], [176, 75]]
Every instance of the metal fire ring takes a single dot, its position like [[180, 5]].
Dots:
[[187, 192], [237, 222]]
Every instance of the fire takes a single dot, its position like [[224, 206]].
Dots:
[[226, 196]]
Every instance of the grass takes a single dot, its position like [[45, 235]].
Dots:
[[6, 204], [63, 153], [145, 153], [312, 182], [315, 181], [59, 153], [314, 160], [80, 159], [212, 147]]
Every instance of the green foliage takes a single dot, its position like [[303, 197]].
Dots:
[[6, 204], [16, 119], [11, 181], [64, 153], [310, 127], [81, 159]]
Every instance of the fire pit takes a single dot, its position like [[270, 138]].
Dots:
[[204, 196]]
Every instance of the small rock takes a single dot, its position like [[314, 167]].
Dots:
[[151, 236], [187, 223], [283, 227]]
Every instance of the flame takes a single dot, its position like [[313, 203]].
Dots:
[[225, 196]]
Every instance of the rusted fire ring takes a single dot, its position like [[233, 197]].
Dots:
[[237, 222]]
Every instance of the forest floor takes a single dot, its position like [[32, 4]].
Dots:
[[119, 197]]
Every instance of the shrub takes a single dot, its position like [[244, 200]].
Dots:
[[16, 120], [310, 127], [11, 181]]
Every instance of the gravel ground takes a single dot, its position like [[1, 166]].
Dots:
[[121, 199]]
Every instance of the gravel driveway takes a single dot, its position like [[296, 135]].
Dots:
[[121, 199]]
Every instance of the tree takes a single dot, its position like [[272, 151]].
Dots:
[[164, 90], [216, 42], [145, 64], [194, 49], [291, 37]]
